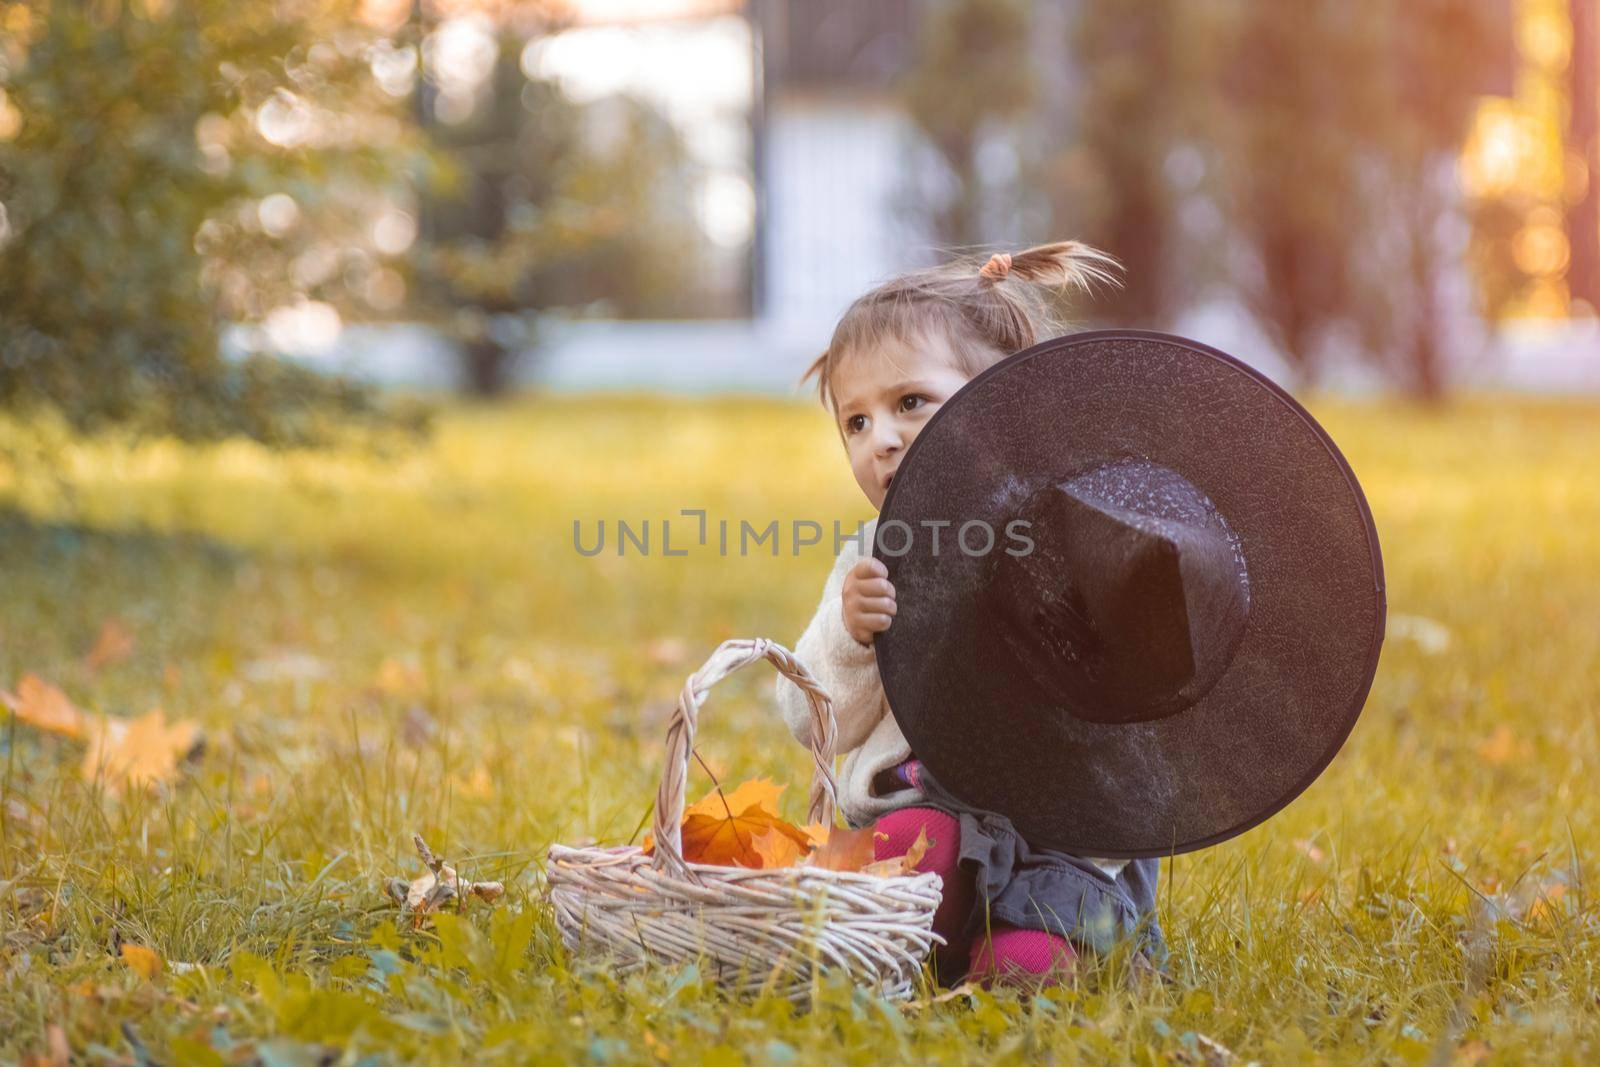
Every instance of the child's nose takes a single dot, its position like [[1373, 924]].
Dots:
[[888, 437]]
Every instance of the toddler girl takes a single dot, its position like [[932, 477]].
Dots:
[[1009, 911]]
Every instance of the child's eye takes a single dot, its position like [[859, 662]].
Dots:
[[912, 400], [854, 424]]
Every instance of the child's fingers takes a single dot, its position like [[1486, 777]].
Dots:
[[876, 622], [872, 587], [870, 567], [877, 605]]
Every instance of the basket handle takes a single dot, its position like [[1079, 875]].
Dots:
[[729, 657]]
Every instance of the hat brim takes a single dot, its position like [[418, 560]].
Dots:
[[1302, 669]]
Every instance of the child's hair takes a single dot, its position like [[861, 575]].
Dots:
[[988, 307]]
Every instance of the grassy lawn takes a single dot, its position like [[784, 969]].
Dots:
[[376, 646]]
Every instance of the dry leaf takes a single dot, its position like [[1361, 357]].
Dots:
[[114, 645], [398, 678], [138, 752], [758, 791], [1500, 747], [846, 850], [1547, 902], [423, 896], [744, 829], [479, 785], [40, 704], [721, 829], [144, 962], [774, 848], [906, 864]]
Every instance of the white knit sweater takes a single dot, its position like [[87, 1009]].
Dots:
[[869, 739]]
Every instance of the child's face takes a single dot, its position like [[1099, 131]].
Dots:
[[884, 397]]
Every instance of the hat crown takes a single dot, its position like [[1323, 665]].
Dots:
[[1134, 597]]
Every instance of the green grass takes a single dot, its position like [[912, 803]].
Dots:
[[1428, 895]]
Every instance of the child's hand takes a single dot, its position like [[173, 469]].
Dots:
[[867, 600]]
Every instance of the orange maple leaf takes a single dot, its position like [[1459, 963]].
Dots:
[[775, 848], [743, 828], [40, 704], [145, 962], [137, 752], [722, 829]]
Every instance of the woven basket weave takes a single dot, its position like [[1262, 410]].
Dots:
[[758, 929]]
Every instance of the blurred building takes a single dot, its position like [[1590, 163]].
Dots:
[[810, 176]]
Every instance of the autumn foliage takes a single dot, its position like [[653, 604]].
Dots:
[[744, 828], [118, 752]]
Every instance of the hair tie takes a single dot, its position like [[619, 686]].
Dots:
[[998, 267]]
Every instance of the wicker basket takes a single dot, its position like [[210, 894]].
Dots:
[[759, 929]]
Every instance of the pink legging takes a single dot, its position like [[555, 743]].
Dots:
[[1008, 954]]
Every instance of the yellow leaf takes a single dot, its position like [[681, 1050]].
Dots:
[[762, 792], [479, 786], [906, 864], [141, 752], [40, 704], [1547, 904], [142, 961], [397, 678], [1500, 747]]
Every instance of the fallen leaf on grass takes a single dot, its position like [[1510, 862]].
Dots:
[[399, 678], [145, 962], [1500, 747], [422, 896], [1547, 903], [138, 752], [121, 752], [478, 786], [114, 645], [42, 705]]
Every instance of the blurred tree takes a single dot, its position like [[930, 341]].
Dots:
[[1297, 84], [546, 205], [1583, 136], [157, 159], [1337, 130], [971, 74], [1111, 138]]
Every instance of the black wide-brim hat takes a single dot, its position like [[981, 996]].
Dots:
[[1178, 614]]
